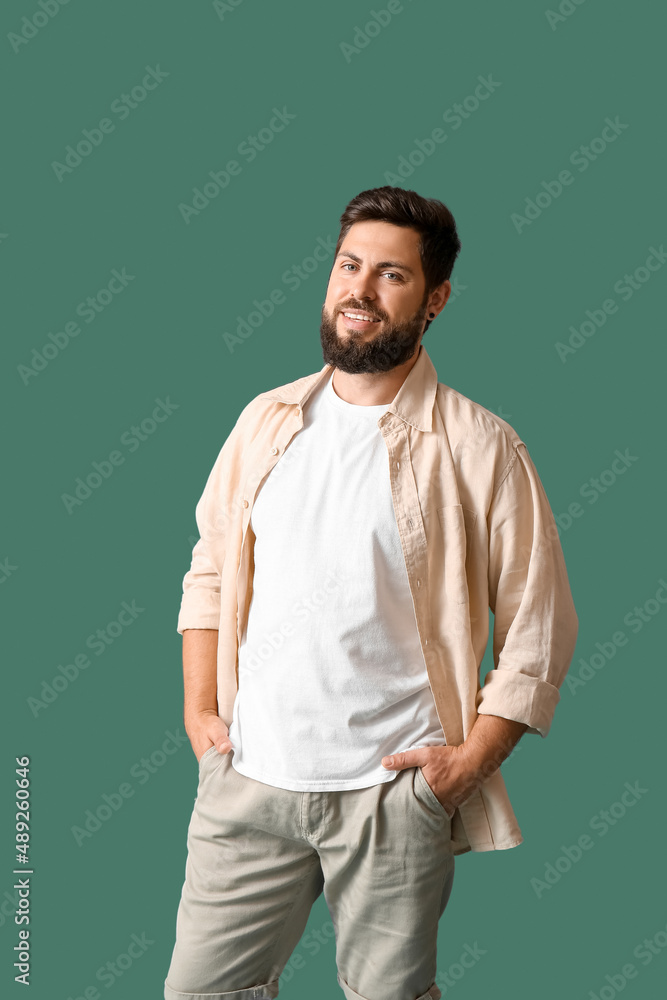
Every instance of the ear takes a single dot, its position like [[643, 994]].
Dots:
[[438, 299]]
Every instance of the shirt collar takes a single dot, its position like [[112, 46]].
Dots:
[[413, 402]]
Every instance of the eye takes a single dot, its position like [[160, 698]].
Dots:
[[397, 277]]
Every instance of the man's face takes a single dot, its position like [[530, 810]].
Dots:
[[377, 273]]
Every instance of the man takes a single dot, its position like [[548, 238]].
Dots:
[[354, 531]]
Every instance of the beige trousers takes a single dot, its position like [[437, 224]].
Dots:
[[259, 857]]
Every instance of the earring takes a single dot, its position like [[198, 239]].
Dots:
[[431, 315]]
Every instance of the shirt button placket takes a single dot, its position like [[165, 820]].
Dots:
[[412, 526]]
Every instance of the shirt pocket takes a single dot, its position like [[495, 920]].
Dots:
[[457, 524]]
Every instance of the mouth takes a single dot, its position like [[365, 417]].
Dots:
[[359, 320]]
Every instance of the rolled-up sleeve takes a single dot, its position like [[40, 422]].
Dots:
[[200, 603], [201, 599], [535, 622]]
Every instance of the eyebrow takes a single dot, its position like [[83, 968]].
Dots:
[[382, 264]]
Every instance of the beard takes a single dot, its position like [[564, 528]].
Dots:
[[395, 345]]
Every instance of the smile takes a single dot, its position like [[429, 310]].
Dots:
[[359, 319]]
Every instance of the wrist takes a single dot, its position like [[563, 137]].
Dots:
[[489, 742], [193, 717], [472, 755]]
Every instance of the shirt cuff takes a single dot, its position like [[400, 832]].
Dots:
[[519, 697], [189, 617]]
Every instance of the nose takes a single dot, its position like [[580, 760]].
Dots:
[[363, 289], [363, 293]]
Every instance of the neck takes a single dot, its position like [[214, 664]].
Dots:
[[372, 388]]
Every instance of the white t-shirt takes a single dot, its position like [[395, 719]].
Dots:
[[331, 672]]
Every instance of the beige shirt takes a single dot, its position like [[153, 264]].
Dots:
[[477, 532]]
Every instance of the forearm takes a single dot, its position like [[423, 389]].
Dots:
[[456, 772], [200, 656], [490, 741]]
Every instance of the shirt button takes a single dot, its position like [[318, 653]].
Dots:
[[245, 503], [398, 465], [274, 451], [409, 522], [419, 583]]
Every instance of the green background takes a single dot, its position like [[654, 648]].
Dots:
[[518, 293]]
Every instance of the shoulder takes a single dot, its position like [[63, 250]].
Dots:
[[484, 446], [289, 392], [465, 418], [273, 405]]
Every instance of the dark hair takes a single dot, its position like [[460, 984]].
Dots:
[[439, 243]]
